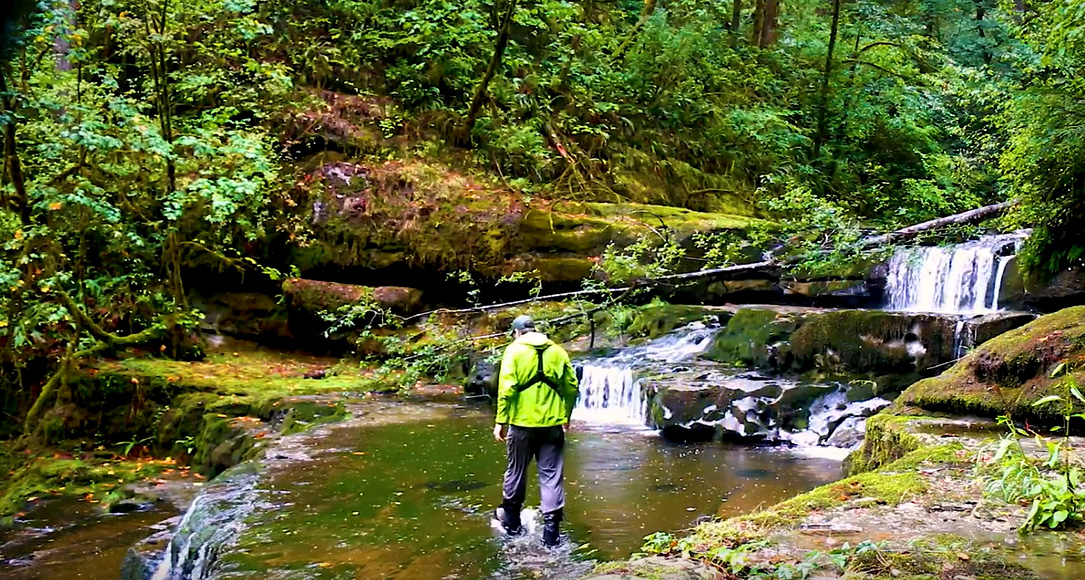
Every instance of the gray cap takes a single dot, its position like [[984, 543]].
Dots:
[[523, 322]]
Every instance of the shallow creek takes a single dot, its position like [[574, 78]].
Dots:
[[405, 490], [409, 494]]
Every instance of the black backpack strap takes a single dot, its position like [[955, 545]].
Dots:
[[540, 376]]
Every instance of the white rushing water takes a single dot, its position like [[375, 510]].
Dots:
[[959, 279], [611, 393]]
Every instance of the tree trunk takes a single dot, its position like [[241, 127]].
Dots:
[[968, 217], [645, 13], [736, 20], [981, 14], [160, 76], [765, 19], [504, 30], [20, 203], [823, 106]]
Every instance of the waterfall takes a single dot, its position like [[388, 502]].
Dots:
[[212, 521], [610, 395], [960, 279], [610, 391]]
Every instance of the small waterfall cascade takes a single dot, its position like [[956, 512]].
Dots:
[[610, 391], [960, 279], [212, 521], [610, 395]]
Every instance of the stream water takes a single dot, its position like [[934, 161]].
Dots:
[[410, 496]]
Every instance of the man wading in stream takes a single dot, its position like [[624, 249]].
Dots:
[[536, 393]]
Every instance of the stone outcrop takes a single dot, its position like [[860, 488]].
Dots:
[[1008, 374], [420, 215], [244, 314], [754, 407], [311, 302]]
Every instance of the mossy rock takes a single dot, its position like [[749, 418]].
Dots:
[[62, 474], [658, 318], [874, 341], [317, 296], [424, 214], [749, 337], [1008, 374], [888, 438]]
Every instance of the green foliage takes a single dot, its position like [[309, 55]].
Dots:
[[1042, 162], [1053, 486], [738, 560]]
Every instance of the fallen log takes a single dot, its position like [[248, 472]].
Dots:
[[769, 264], [971, 216]]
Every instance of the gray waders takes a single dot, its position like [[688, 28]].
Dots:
[[547, 446]]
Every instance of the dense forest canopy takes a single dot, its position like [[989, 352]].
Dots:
[[143, 138]]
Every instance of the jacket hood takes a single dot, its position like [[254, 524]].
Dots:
[[533, 339]]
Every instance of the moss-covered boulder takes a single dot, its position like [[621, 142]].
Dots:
[[311, 302], [1011, 372], [245, 314], [317, 296], [756, 337], [874, 340]]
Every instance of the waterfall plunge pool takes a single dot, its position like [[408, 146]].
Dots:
[[410, 496]]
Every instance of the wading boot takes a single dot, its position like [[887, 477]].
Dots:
[[551, 529], [510, 520]]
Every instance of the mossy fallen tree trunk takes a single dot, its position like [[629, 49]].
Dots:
[[969, 217]]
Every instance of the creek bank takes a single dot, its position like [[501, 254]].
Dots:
[[206, 415], [913, 494]]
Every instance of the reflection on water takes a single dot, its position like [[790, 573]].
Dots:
[[70, 539], [413, 501]]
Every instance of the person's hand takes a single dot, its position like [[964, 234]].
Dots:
[[565, 426], [499, 433]]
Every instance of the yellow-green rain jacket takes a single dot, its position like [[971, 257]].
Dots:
[[526, 402]]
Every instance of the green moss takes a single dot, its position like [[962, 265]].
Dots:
[[872, 341], [425, 214], [637, 569], [749, 333], [658, 318], [892, 484], [945, 556], [250, 371], [887, 439], [95, 479], [683, 221], [1009, 373]]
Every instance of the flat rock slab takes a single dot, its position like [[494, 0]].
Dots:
[[655, 568]]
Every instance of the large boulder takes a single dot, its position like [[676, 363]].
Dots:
[[312, 302], [244, 314], [317, 296], [1008, 374], [756, 337], [874, 341], [737, 406]]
